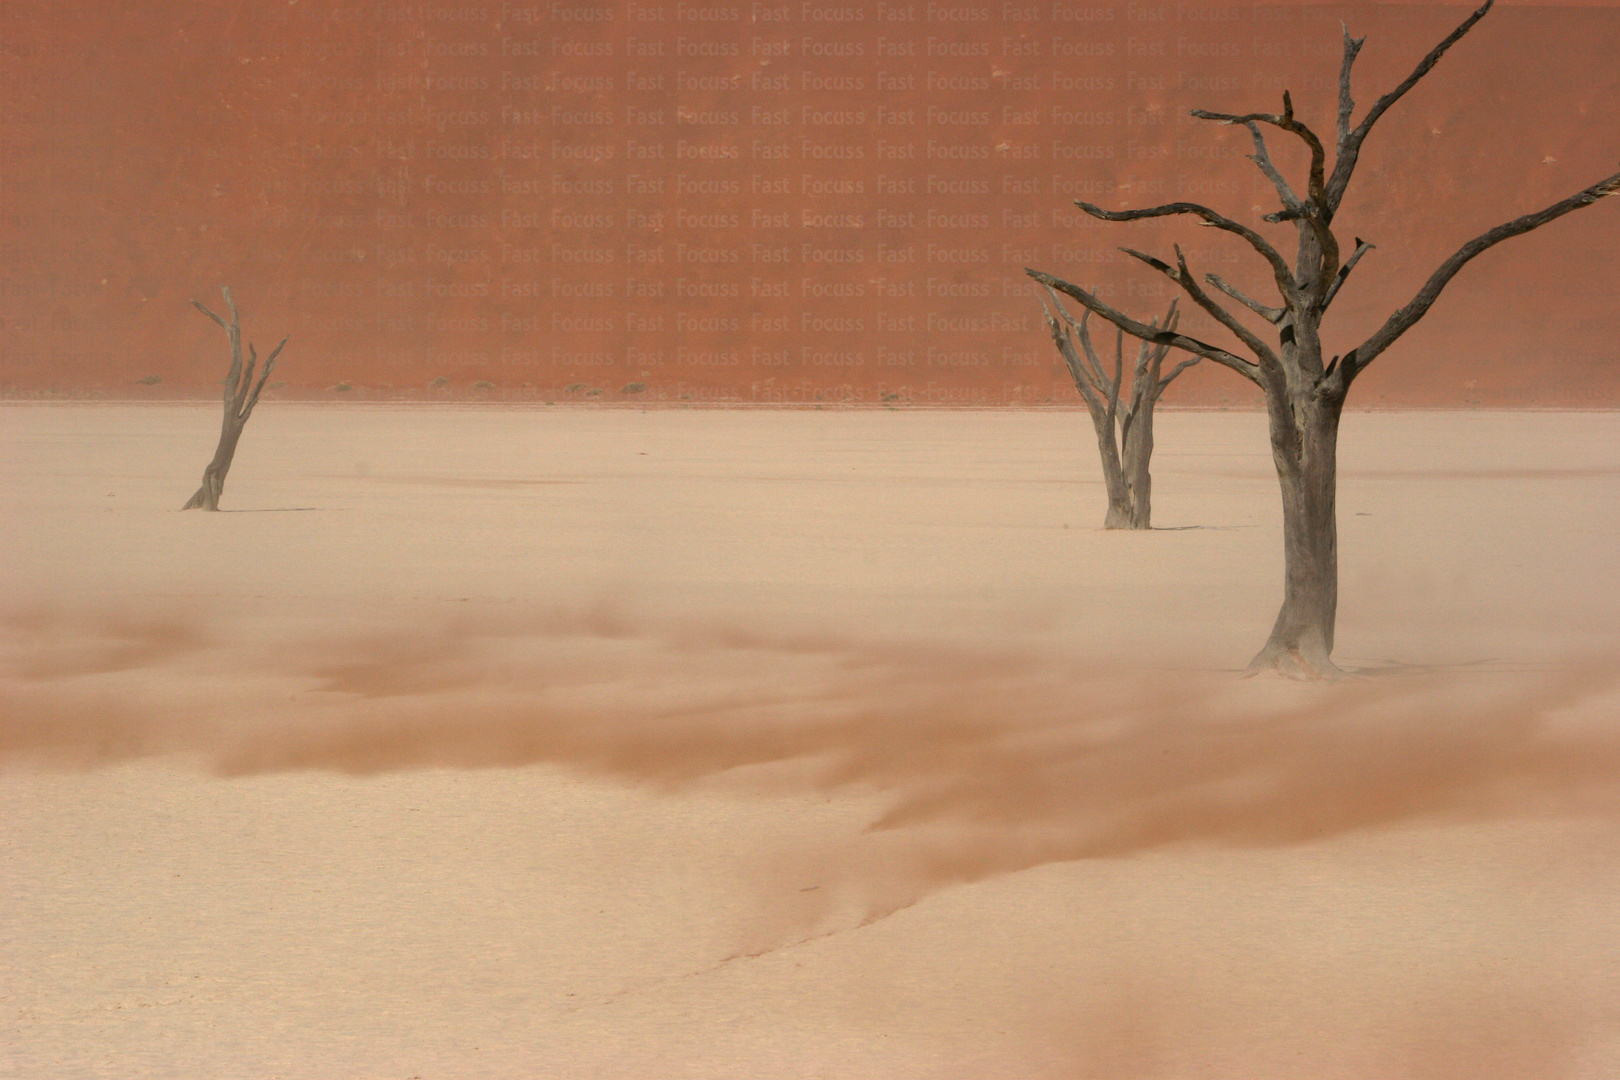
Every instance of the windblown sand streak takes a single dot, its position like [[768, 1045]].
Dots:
[[1027, 757]]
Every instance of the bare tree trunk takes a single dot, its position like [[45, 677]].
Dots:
[[1113, 475], [1304, 446], [213, 480], [239, 403], [1137, 456]]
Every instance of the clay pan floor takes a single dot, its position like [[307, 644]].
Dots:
[[534, 743]]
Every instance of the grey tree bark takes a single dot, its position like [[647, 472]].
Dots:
[[239, 403], [1304, 395], [1124, 435]]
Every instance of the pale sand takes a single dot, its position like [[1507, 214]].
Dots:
[[807, 744]]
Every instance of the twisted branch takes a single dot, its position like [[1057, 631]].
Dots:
[[1181, 276], [1287, 123], [269, 366], [1402, 320], [1349, 148], [1279, 268], [1086, 382], [1270, 314], [1262, 158], [1362, 247], [1247, 368], [1347, 105]]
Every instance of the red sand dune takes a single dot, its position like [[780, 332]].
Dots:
[[761, 202]]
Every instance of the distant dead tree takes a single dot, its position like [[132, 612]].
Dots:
[[1305, 395], [239, 402], [1124, 435]]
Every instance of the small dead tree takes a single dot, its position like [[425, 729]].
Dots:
[[239, 402], [1304, 394], [1124, 436]]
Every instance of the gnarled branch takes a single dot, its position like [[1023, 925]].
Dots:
[[1262, 158], [1084, 381], [1095, 374], [1270, 314], [1347, 104], [1157, 384], [233, 331], [269, 366], [1313, 212], [1362, 247], [1402, 320], [1279, 268], [1181, 276], [1350, 140], [1286, 122], [199, 306], [1247, 368], [1165, 382]]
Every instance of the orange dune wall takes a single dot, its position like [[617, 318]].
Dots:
[[783, 201]]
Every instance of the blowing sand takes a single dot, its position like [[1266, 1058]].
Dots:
[[579, 744]]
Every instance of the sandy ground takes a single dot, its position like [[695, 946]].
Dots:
[[504, 743]]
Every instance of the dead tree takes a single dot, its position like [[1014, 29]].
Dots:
[[1304, 394], [1124, 436], [239, 402]]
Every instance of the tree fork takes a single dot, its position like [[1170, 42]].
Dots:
[[1124, 435]]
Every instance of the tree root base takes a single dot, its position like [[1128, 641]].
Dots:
[[199, 501], [1294, 662], [1123, 516]]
